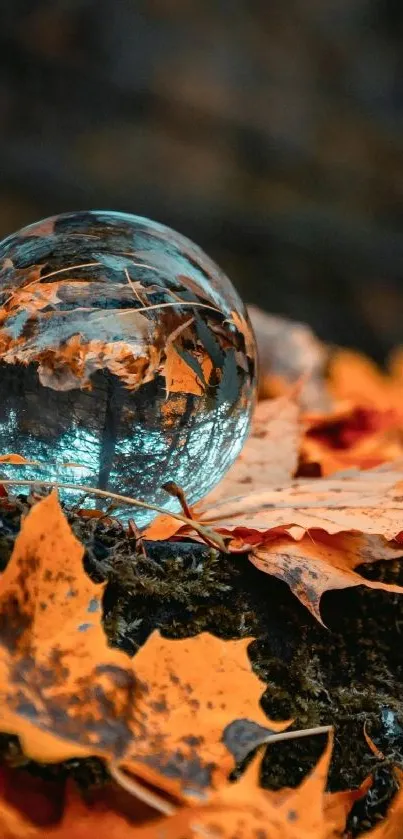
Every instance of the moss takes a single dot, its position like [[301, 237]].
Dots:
[[348, 675]]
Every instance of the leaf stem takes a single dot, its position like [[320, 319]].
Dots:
[[207, 533], [292, 735]]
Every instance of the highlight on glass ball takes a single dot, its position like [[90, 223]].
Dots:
[[127, 360]]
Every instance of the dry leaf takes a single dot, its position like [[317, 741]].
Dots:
[[244, 810], [368, 502], [53, 649], [292, 530], [319, 562], [355, 378], [66, 694], [190, 715], [352, 436], [288, 350], [28, 805]]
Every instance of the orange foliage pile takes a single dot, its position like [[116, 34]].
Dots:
[[172, 722], [314, 532]]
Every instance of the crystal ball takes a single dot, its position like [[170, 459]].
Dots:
[[127, 361]]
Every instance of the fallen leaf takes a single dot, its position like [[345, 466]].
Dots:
[[53, 649], [338, 805], [372, 746], [353, 377], [319, 562], [188, 716], [352, 436], [162, 527], [66, 694], [13, 825], [287, 351], [368, 502], [28, 802], [244, 810]]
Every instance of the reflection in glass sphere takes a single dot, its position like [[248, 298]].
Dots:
[[126, 359]]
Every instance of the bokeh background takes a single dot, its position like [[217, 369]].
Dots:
[[270, 132]]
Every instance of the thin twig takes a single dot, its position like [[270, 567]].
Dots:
[[144, 794], [292, 735], [206, 532]]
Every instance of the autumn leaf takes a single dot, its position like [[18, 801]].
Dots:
[[13, 825], [287, 351], [353, 377], [53, 649], [244, 810], [66, 694], [190, 728], [351, 436], [368, 502], [319, 562], [312, 534], [28, 805]]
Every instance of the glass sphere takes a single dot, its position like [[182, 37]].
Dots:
[[127, 360]]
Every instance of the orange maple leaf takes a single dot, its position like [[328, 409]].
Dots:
[[66, 694], [365, 427], [244, 810], [352, 436]]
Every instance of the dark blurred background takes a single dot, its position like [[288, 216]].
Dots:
[[269, 132]]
